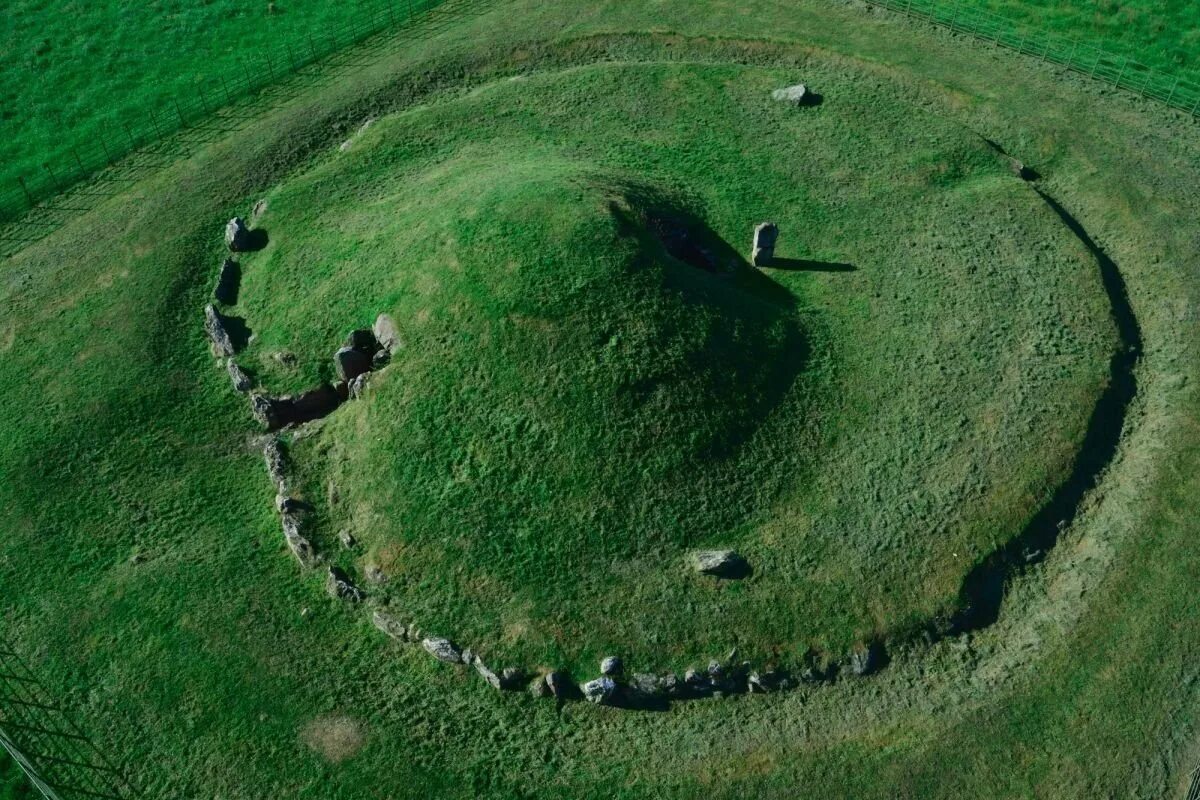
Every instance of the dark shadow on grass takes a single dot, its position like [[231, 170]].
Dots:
[[985, 586], [805, 265], [239, 332]]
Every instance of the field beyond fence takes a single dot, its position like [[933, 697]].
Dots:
[[251, 73], [1095, 62]]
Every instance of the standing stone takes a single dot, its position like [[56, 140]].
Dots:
[[489, 676], [347, 539], [600, 691], [228, 281], [358, 386], [265, 410], [237, 235], [339, 585], [214, 326], [301, 548], [276, 462], [763, 252], [363, 341], [386, 333], [442, 649], [865, 660], [560, 684], [241, 381], [350, 363], [511, 678], [797, 94], [611, 666]]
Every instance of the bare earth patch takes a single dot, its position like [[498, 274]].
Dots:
[[337, 737]]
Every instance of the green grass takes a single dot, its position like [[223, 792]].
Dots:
[[13, 785], [574, 410], [194, 667], [1162, 35]]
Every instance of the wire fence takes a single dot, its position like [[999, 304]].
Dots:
[[251, 73], [1123, 72]]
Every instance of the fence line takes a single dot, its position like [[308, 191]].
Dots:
[[1176, 91], [158, 120]]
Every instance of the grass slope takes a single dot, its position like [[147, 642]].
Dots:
[[196, 670]]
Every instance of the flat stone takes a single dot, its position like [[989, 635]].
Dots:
[[721, 563], [442, 649], [390, 625], [214, 326]]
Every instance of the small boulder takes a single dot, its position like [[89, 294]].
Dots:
[[358, 386], [611, 666], [386, 333], [797, 95], [347, 539], [350, 363], [600, 691], [238, 377], [266, 411], [865, 659], [491, 677], [539, 687], [214, 326], [287, 505], [696, 682], [228, 281], [647, 686], [381, 359], [442, 649], [390, 625], [762, 251], [721, 563], [511, 678], [237, 235]]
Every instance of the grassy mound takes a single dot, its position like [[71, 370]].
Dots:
[[581, 398]]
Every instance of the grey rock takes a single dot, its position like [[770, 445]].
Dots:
[[381, 359], [266, 411], [363, 341], [358, 386], [442, 649], [259, 209], [339, 585], [864, 660], [350, 363], [287, 505], [611, 666], [237, 235], [767, 681], [238, 377], [301, 548], [560, 683], [276, 461], [390, 625], [672, 686], [797, 94], [347, 539], [601, 691], [647, 685], [386, 333], [762, 251], [228, 280], [722, 563], [492, 678], [696, 681], [540, 687], [214, 326], [375, 574]]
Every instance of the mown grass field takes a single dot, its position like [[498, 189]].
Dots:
[[75, 72], [144, 573]]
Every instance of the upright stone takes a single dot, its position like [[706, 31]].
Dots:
[[214, 326], [301, 548], [228, 281], [763, 252], [237, 235], [241, 381]]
